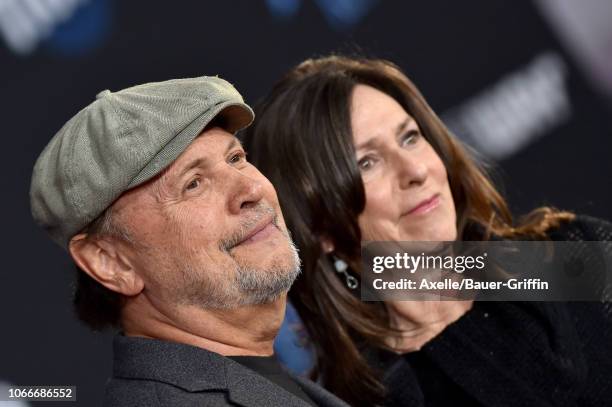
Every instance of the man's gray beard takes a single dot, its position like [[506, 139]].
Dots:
[[264, 286], [249, 286]]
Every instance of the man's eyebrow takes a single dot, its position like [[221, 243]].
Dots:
[[199, 162], [235, 142]]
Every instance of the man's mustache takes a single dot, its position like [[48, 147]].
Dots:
[[258, 212]]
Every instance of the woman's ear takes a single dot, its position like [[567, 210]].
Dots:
[[327, 245], [104, 261]]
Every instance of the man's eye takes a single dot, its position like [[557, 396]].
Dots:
[[237, 157], [193, 184]]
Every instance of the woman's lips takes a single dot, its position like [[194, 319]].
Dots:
[[425, 206]]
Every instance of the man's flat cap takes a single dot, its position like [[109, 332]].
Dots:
[[121, 140]]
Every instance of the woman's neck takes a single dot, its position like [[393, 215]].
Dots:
[[421, 321]]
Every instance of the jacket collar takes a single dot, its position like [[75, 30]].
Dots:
[[241, 381], [188, 367], [195, 369]]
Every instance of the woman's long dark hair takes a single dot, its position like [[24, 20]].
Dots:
[[302, 142]]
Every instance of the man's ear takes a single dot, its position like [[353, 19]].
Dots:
[[104, 262]]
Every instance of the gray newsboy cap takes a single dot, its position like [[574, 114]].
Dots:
[[121, 140]]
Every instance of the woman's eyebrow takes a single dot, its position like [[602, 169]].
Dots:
[[403, 126], [366, 144]]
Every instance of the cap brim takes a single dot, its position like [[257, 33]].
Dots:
[[237, 117]]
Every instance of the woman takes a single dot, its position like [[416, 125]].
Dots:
[[355, 153]]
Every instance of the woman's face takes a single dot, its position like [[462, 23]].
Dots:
[[408, 197]]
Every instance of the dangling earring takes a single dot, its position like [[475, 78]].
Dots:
[[341, 267]]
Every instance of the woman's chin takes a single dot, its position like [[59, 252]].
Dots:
[[436, 233]]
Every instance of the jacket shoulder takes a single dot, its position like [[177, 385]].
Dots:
[[318, 394], [148, 393], [125, 392]]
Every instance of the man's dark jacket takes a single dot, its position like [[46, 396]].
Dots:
[[149, 372]]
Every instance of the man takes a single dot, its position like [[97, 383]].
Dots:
[[180, 242]]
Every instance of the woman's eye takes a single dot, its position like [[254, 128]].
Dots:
[[365, 163], [193, 184], [411, 137]]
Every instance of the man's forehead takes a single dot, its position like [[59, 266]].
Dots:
[[209, 144], [206, 148]]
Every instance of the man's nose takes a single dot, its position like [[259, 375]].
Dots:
[[411, 170], [245, 190]]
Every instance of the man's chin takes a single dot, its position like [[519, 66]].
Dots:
[[276, 253], [280, 299]]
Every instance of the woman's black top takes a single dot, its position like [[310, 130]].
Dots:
[[514, 353]]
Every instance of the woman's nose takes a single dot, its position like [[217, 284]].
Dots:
[[410, 169]]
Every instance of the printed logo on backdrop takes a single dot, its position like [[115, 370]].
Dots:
[[339, 14], [517, 110], [65, 27]]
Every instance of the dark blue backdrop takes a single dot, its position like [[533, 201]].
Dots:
[[492, 68]]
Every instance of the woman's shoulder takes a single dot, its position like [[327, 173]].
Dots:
[[583, 228]]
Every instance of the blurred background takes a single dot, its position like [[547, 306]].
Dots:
[[527, 84]]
